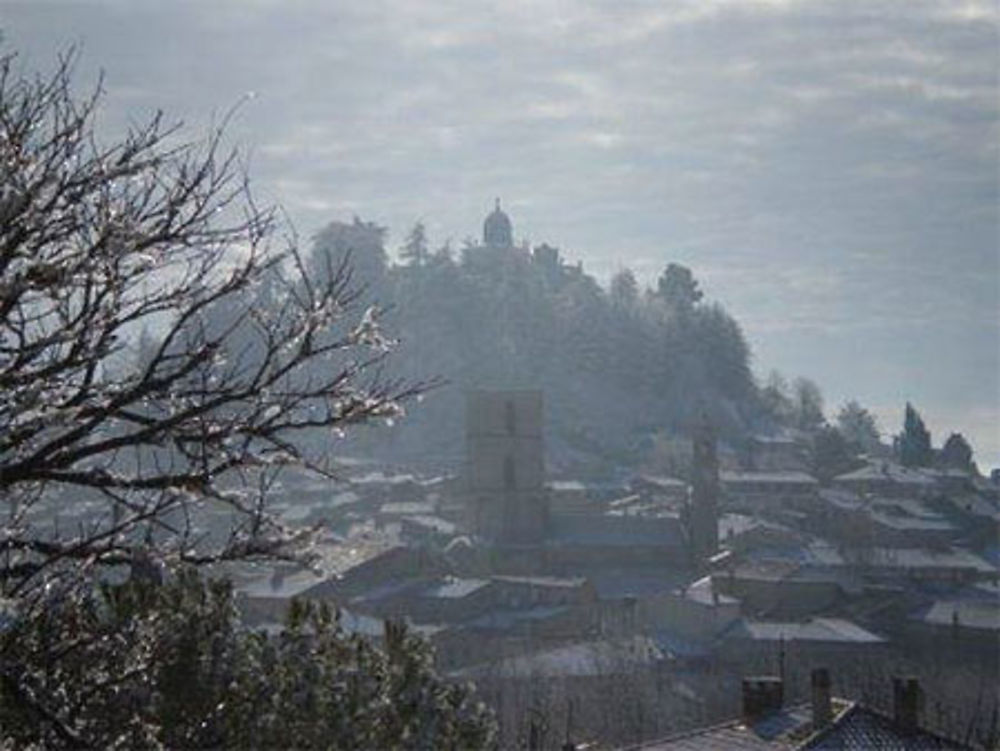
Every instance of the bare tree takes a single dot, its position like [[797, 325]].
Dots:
[[243, 352]]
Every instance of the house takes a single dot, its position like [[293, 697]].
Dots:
[[782, 588], [769, 491], [660, 487], [887, 479], [812, 642], [964, 628], [782, 452], [824, 723], [948, 565]]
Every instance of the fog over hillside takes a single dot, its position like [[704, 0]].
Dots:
[[827, 169]]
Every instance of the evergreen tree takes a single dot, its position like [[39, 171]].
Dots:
[[414, 250], [956, 453], [357, 244], [151, 666], [678, 289], [915, 441], [858, 426], [776, 399], [831, 454], [808, 405], [624, 291]]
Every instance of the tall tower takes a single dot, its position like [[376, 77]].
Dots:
[[505, 466], [704, 511], [497, 229]]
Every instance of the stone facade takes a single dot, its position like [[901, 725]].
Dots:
[[704, 512], [505, 467]]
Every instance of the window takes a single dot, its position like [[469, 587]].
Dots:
[[508, 473]]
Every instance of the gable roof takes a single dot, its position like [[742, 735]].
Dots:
[[862, 728], [854, 728], [777, 730]]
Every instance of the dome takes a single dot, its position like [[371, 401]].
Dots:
[[497, 229]]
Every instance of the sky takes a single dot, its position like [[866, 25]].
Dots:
[[828, 170]]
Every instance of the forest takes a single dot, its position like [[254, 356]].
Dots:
[[622, 368]]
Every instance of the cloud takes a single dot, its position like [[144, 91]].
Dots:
[[828, 169]]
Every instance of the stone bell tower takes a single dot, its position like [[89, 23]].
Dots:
[[703, 513], [505, 467]]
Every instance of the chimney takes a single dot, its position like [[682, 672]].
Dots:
[[821, 707], [906, 701], [762, 695]]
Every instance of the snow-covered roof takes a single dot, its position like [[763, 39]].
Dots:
[[790, 477], [701, 592], [561, 582], [980, 613], [815, 629], [453, 588], [889, 472]]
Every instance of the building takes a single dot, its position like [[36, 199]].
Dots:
[[498, 232], [703, 515], [825, 722], [888, 480], [505, 467]]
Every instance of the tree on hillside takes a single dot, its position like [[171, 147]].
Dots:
[[858, 426], [956, 453], [624, 291], [914, 443], [808, 401], [414, 250], [100, 242], [678, 289], [357, 246], [776, 399], [832, 454], [725, 352]]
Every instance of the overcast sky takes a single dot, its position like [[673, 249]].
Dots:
[[829, 170]]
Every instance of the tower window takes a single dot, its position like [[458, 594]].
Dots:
[[508, 473], [510, 418]]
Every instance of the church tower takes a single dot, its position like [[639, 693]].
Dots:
[[497, 229], [703, 513], [505, 467]]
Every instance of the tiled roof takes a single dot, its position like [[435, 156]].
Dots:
[[813, 630], [888, 472], [779, 730], [855, 728], [616, 531], [452, 588], [563, 582], [982, 614], [862, 729], [788, 476]]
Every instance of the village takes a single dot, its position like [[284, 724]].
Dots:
[[629, 611]]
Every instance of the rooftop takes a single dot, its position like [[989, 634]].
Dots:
[[452, 588], [791, 477], [887, 471], [701, 592], [979, 614], [854, 728], [544, 581], [861, 728], [777, 730], [814, 630]]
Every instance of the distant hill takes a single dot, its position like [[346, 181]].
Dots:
[[618, 366]]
